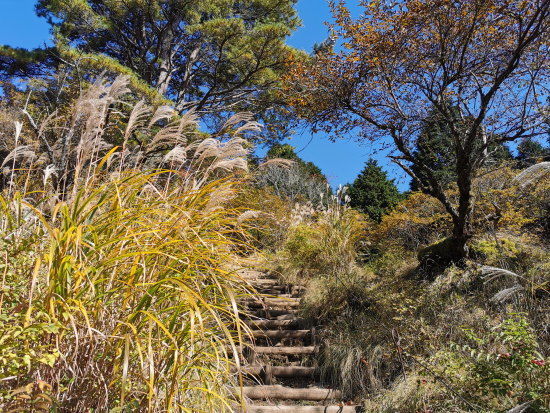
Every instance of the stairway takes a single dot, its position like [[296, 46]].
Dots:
[[279, 367]]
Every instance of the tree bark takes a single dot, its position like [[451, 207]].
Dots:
[[462, 225]]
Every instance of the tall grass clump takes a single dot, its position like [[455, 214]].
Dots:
[[118, 279], [321, 241]]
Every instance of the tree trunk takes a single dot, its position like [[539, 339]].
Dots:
[[166, 55], [453, 250], [462, 225]]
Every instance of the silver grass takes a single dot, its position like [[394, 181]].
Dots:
[[119, 87], [178, 154], [206, 148], [22, 152], [247, 215], [285, 163], [231, 164], [175, 132], [218, 198], [49, 171], [167, 136], [249, 127], [163, 113], [533, 174], [92, 109], [521, 407], [18, 129], [211, 147], [504, 295], [236, 119], [137, 119], [492, 273]]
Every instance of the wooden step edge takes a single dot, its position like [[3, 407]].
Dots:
[[285, 350], [274, 315], [278, 371], [295, 301], [279, 392], [274, 324], [272, 297], [288, 316], [300, 409], [273, 312], [281, 334]]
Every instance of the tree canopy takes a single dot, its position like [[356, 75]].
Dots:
[[531, 152], [211, 56], [434, 147], [298, 181], [401, 60], [286, 151]]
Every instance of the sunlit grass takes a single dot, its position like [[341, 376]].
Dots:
[[139, 280]]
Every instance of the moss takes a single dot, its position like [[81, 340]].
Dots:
[[491, 250]]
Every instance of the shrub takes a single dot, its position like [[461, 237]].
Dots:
[[293, 182], [498, 370], [324, 246], [119, 286], [141, 283], [337, 296], [417, 220], [512, 202], [266, 215]]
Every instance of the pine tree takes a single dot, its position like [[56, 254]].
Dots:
[[206, 55], [531, 152], [434, 147], [373, 193]]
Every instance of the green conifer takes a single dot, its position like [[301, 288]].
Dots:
[[373, 193]]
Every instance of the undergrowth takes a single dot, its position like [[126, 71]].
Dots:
[[402, 338]]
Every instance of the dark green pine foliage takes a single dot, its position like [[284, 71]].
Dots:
[[435, 147], [373, 193], [201, 54], [531, 152], [17, 62], [214, 56], [499, 153], [286, 151]]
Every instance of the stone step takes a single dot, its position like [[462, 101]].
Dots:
[[301, 409], [281, 334], [289, 393], [283, 350]]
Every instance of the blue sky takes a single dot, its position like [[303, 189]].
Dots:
[[341, 161]]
